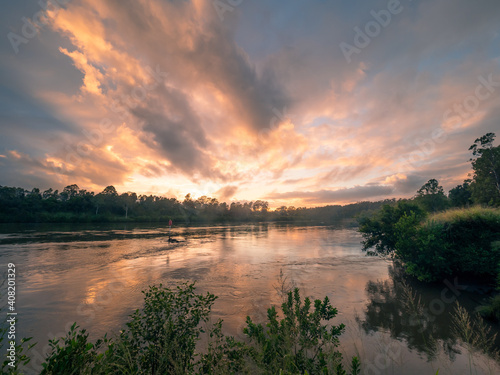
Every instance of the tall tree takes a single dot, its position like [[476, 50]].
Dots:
[[430, 187], [108, 199], [431, 196], [110, 191], [69, 192], [128, 200], [485, 185], [460, 195]]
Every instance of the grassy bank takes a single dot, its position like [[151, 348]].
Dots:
[[457, 242]]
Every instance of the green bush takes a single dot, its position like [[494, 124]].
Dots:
[[379, 229], [423, 249], [454, 242], [492, 309], [75, 356], [299, 343], [162, 338], [21, 357], [159, 339]]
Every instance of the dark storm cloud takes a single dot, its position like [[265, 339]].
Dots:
[[176, 130]]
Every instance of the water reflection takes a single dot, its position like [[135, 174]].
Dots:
[[418, 314]]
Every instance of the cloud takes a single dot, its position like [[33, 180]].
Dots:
[[212, 84], [226, 193], [92, 76], [259, 101], [176, 132], [345, 195], [405, 185]]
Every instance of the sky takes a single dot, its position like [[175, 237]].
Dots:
[[303, 103]]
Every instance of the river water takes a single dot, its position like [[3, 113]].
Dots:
[[94, 275]]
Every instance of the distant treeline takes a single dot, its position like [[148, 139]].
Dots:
[[73, 204]]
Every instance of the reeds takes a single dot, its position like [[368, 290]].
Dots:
[[465, 214], [476, 336]]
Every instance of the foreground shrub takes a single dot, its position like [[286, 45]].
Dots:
[[299, 343], [13, 364], [75, 356], [162, 338]]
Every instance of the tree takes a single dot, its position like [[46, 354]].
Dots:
[[430, 187], [485, 186], [69, 192], [378, 230], [189, 208], [127, 201], [188, 202], [35, 193], [431, 196], [107, 199], [460, 195], [110, 191], [261, 206], [48, 194]]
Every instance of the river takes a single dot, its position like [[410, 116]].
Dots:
[[94, 275]]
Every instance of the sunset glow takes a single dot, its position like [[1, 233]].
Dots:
[[255, 101]]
